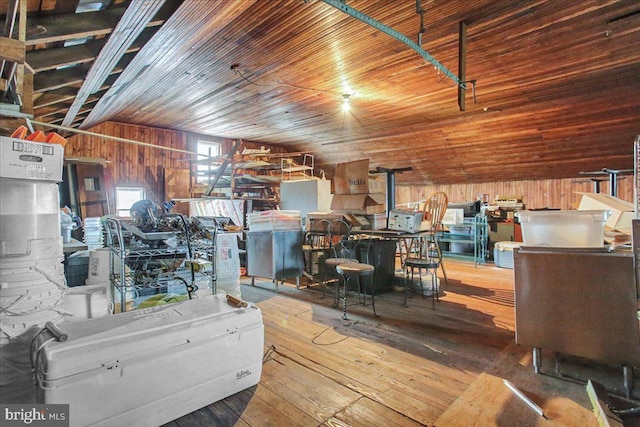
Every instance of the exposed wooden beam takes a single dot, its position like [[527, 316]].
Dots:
[[462, 63], [55, 79], [48, 59], [133, 21], [12, 50], [73, 26], [114, 138]]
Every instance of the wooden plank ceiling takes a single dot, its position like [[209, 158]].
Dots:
[[557, 93]]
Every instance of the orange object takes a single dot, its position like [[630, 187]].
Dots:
[[20, 132], [54, 138], [37, 136]]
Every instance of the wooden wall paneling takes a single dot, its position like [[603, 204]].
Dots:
[[537, 194], [176, 186], [137, 165], [126, 169]]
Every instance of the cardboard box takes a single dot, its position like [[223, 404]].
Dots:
[[352, 177], [30, 160], [378, 183], [315, 220], [364, 204], [621, 211], [377, 221], [453, 217]]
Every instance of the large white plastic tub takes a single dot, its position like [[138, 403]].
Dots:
[[147, 367], [563, 229]]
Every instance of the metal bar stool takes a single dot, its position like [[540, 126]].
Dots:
[[355, 270], [339, 232]]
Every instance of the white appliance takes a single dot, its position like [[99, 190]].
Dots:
[[309, 195], [405, 220], [148, 367]]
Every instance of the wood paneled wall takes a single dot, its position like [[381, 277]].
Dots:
[[135, 165], [537, 194]]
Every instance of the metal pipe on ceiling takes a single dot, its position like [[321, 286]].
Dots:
[[114, 138]]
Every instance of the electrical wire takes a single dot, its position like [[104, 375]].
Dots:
[[238, 72]]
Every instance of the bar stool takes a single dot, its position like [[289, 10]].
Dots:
[[351, 271], [339, 232], [354, 270]]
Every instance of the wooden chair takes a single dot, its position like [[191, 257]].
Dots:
[[434, 209], [428, 256]]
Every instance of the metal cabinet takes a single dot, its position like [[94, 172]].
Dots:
[[581, 302], [275, 254]]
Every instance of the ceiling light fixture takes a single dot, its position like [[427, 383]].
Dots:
[[346, 102]]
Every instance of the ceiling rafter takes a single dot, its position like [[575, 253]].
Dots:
[[133, 22]]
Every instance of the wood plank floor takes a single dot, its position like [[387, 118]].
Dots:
[[409, 366]]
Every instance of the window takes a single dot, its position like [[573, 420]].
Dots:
[[206, 149], [125, 197]]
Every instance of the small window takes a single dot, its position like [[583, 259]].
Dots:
[[206, 149], [126, 197], [91, 184]]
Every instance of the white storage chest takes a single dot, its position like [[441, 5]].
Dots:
[[503, 253], [148, 367]]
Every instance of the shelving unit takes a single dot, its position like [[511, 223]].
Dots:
[[477, 236], [255, 175], [145, 267], [256, 180], [220, 176], [304, 168], [258, 176]]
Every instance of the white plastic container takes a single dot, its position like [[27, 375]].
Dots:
[[155, 364], [563, 229], [503, 253], [86, 302], [28, 160], [29, 210]]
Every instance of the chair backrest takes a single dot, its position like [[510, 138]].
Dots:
[[339, 235], [434, 209], [319, 237]]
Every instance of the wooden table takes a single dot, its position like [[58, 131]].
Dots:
[[74, 246]]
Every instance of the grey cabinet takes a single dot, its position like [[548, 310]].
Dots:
[[275, 254], [581, 302]]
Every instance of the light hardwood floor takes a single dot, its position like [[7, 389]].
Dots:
[[409, 366]]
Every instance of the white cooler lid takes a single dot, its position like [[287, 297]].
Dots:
[[131, 334]]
